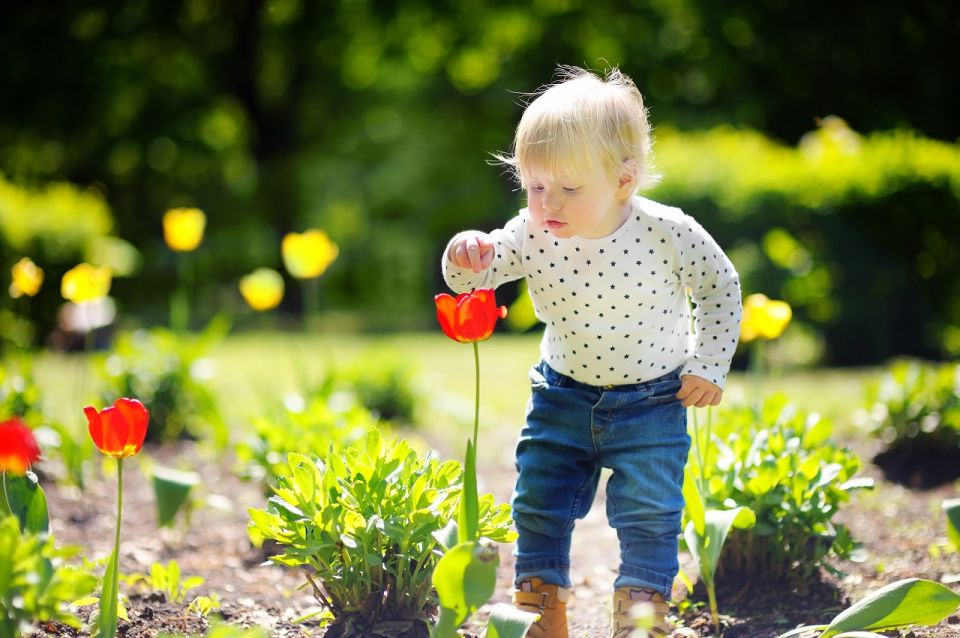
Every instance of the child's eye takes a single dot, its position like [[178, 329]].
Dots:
[[536, 188], [570, 189]]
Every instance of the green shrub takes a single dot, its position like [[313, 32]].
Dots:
[[167, 373], [301, 424], [382, 382], [915, 410], [19, 392], [784, 467], [837, 226], [57, 222], [35, 584], [916, 401], [363, 520]]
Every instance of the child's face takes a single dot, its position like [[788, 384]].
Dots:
[[591, 205]]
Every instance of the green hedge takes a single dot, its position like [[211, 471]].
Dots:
[[856, 232]]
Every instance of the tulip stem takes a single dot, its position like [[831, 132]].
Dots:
[[179, 302], [6, 495], [116, 539], [476, 402], [311, 303]]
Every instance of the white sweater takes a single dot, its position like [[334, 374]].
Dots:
[[615, 308]]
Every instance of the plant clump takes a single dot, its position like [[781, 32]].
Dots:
[[782, 464], [362, 521]]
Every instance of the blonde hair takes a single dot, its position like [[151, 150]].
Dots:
[[581, 120]]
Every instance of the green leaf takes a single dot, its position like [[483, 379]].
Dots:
[[171, 489], [506, 621], [952, 508], [911, 601], [694, 502], [706, 548], [28, 502], [465, 578], [468, 518], [447, 624], [107, 621], [447, 537]]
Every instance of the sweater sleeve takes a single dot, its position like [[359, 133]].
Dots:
[[714, 287], [506, 265]]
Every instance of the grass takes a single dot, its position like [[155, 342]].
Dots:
[[256, 369]]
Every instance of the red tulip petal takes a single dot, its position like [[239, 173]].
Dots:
[[470, 318], [116, 432], [137, 418], [446, 313], [18, 447], [95, 426]]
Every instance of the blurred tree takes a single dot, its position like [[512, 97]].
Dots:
[[373, 119]]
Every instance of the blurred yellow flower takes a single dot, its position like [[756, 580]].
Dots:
[[308, 255], [27, 278], [183, 228], [86, 283], [764, 318], [262, 289]]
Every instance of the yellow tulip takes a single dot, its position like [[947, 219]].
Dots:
[[183, 228], [27, 278], [764, 318], [86, 283], [262, 289], [308, 255]]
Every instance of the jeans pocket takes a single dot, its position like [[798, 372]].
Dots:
[[537, 380], [664, 392]]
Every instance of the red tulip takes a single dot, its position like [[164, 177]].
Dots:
[[118, 431], [471, 316], [18, 448]]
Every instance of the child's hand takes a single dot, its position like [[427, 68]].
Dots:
[[698, 391], [472, 250]]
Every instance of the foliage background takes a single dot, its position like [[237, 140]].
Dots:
[[374, 121]]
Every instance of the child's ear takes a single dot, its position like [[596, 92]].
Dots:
[[627, 181]]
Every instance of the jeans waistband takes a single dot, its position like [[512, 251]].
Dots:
[[560, 380]]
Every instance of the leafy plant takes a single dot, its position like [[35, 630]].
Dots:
[[166, 372], [19, 393], [383, 382], [951, 508], [362, 519], [35, 583], [203, 605], [917, 404], [911, 601], [313, 423], [167, 580], [782, 465], [706, 530]]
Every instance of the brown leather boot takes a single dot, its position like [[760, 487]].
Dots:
[[623, 621], [550, 601]]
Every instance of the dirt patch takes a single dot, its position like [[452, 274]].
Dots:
[[899, 527]]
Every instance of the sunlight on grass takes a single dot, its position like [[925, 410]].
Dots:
[[256, 370]]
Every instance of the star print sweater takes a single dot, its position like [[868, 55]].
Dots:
[[615, 309]]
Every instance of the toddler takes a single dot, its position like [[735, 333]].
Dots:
[[609, 274]]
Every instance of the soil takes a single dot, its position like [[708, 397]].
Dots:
[[901, 529]]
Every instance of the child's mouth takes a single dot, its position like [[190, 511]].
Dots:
[[553, 224]]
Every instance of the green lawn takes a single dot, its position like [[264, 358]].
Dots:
[[252, 370]]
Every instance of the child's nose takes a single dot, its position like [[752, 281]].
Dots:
[[553, 202]]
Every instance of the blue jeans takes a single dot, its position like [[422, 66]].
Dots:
[[572, 431]]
